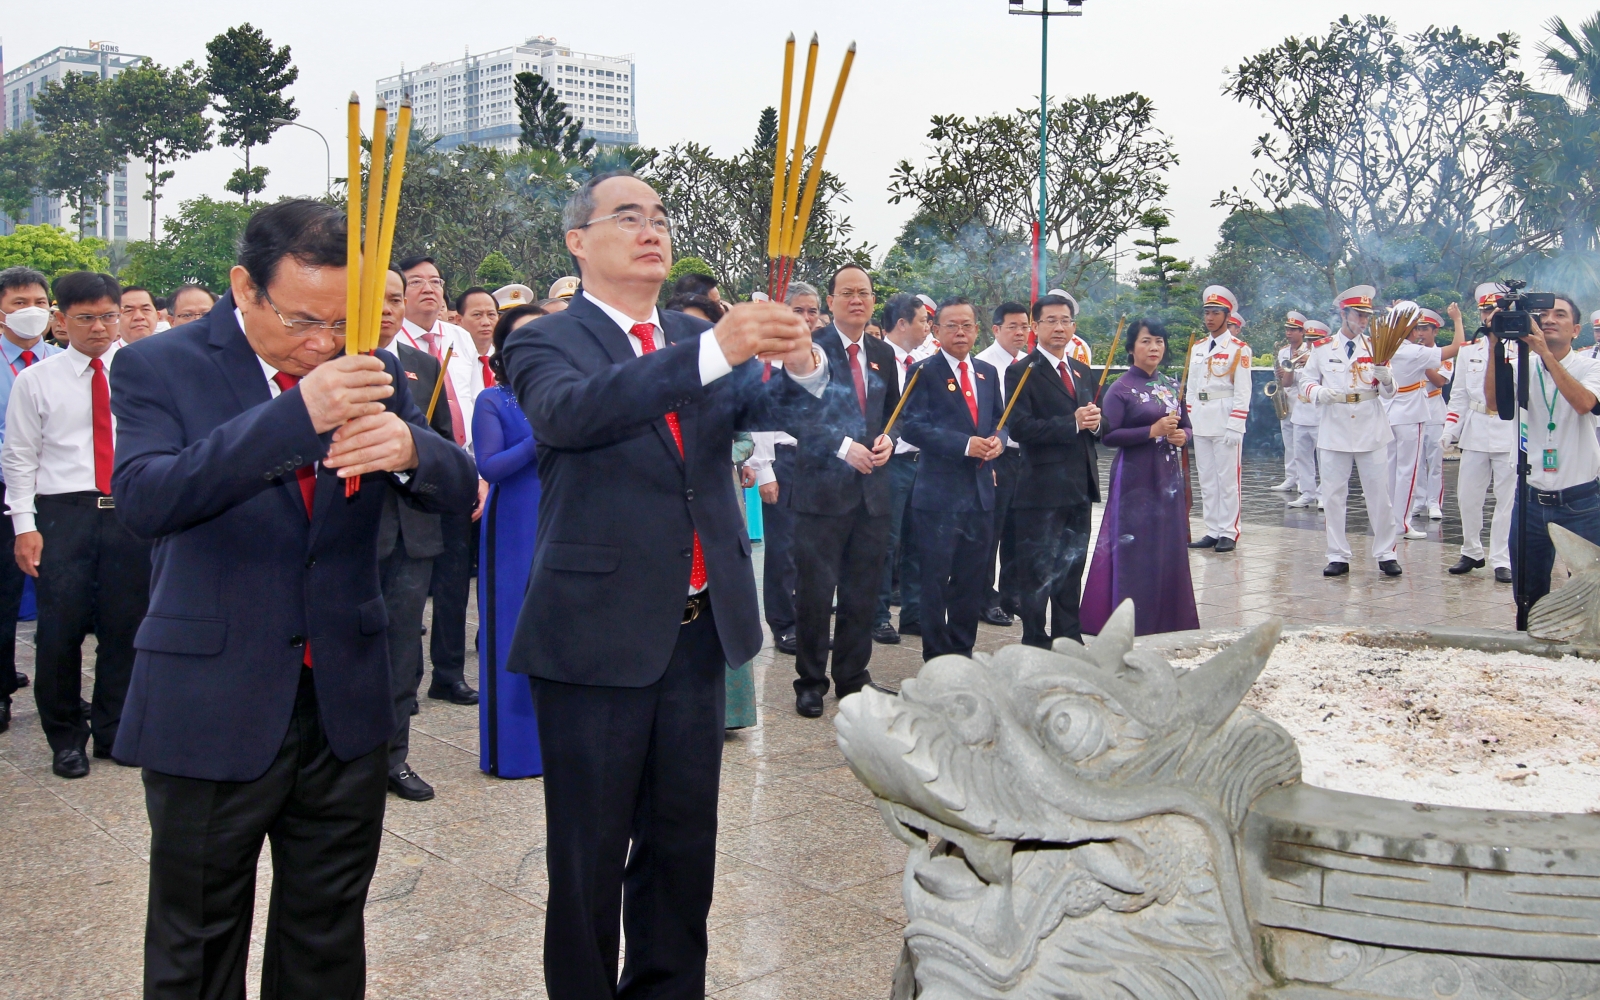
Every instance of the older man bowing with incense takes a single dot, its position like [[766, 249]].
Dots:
[[633, 410]]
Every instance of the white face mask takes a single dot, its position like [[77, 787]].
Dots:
[[27, 323]]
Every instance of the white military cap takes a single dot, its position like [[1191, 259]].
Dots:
[[1216, 295], [509, 296]]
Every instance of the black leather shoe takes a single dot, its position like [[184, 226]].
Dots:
[[994, 616], [1466, 564], [5, 714], [22, 679], [1336, 569], [1389, 567], [910, 628], [1226, 545], [809, 704], [1011, 606], [415, 708], [1205, 543], [885, 634], [786, 642], [70, 763], [456, 694], [101, 753], [407, 784], [1502, 574]]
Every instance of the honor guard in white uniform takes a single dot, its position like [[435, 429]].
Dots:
[[1431, 497], [1408, 416], [1488, 449], [1294, 332], [1077, 347], [1305, 418], [1342, 381], [1218, 399]]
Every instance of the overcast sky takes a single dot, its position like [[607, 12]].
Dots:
[[705, 69]]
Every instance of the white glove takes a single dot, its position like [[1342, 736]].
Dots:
[[1447, 442], [1326, 396], [1232, 439], [1383, 374]]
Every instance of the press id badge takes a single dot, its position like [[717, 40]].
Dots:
[[1551, 462]]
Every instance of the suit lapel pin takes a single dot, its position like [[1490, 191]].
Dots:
[[951, 385], [412, 376], [979, 374], [874, 365]]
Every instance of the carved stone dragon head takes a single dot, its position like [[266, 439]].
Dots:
[[1071, 816]]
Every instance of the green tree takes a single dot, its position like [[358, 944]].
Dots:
[[199, 245], [683, 266], [23, 150], [71, 114], [767, 129], [544, 119], [1164, 275], [496, 270], [50, 249], [157, 115], [248, 77]]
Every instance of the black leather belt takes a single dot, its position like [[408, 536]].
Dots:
[[1560, 498], [695, 605], [87, 498]]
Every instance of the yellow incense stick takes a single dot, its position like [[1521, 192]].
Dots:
[[371, 279], [1110, 356], [352, 260], [1014, 394], [903, 397], [799, 235], [779, 166], [391, 207], [444, 373], [792, 197]]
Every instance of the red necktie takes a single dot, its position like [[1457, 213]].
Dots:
[[854, 350], [488, 373], [697, 565], [27, 358], [457, 428], [105, 443], [1066, 379], [966, 390], [306, 474]]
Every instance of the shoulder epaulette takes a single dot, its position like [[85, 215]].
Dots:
[[1319, 343]]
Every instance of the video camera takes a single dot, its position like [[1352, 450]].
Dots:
[[1514, 321]]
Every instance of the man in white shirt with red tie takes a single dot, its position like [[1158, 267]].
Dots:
[[92, 574]]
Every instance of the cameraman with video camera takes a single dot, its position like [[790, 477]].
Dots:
[[1559, 423]]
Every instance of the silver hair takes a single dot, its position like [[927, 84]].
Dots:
[[580, 205], [799, 288]]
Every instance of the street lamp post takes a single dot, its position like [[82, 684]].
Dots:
[[327, 154], [1044, 14]]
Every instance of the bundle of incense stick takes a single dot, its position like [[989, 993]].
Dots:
[[791, 208], [1391, 330], [368, 247]]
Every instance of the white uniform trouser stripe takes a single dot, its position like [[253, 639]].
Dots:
[[1472, 481], [1218, 469], [1305, 459], [1374, 469]]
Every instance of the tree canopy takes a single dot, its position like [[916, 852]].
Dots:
[[248, 76]]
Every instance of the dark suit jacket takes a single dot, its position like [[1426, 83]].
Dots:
[[619, 505], [823, 482], [240, 578], [937, 420], [420, 529], [1060, 465]]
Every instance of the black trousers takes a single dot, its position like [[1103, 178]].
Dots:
[[843, 552], [1052, 546], [405, 595], [778, 577], [637, 765], [1004, 583], [94, 576], [452, 579], [11, 579], [324, 818], [953, 547]]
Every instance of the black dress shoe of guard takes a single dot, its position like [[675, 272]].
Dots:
[[1336, 569], [786, 643], [1226, 545], [1389, 567], [458, 693], [1466, 564], [885, 633], [70, 763], [1502, 574], [808, 704], [910, 628], [22, 679], [994, 616], [407, 784], [1205, 543]]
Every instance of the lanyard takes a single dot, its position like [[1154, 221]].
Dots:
[[1549, 404]]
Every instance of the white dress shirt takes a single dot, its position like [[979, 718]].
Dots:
[[861, 366], [466, 374], [49, 445], [1576, 452], [1002, 360], [927, 349]]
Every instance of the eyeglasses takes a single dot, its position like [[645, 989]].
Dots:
[[633, 222], [189, 317], [1057, 321], [424, 282], [849, 294], [959, 327], [303, 327], [89, 319]]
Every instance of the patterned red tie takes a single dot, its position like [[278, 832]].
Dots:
[[457, 427], [966, 390], [105, 442], [697, 565], [854, 350], [1066, 379], [488, 373], [306, 474]]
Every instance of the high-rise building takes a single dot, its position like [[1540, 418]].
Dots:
[[472, 100], [125, 205]]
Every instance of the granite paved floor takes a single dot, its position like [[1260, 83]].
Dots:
[[808, 886]]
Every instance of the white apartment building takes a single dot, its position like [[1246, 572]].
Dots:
[[125, 210], [472, 100]]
